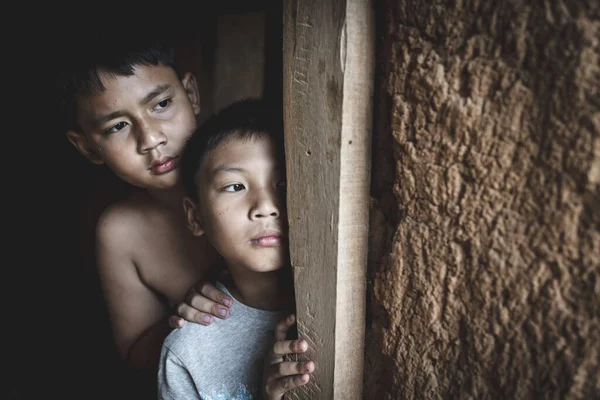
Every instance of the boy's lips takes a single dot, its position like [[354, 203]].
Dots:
[[267, 238], [164, 165]]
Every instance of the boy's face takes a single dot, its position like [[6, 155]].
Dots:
[[138, 126], [241, 187]]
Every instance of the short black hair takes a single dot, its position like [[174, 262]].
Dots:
[[79, 67], [244, 119]]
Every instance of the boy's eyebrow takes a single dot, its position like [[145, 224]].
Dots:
[[229, 168], [157, 91], [226, 168], [104, 118]]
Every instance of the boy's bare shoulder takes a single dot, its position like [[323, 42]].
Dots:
[[122, 220]]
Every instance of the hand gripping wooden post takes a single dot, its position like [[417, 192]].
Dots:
[[328, 49]]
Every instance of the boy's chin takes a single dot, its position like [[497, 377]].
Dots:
[[268, 263], [270, 268], [267, 267]]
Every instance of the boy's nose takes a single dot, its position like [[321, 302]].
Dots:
[[266, 205], [150, 138]]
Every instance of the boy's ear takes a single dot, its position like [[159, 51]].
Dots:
[[82, 144], [194, 223], [191, 88]]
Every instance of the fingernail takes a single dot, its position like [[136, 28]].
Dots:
[[206, 319], [227, 302], [222, 312], [302, 346]]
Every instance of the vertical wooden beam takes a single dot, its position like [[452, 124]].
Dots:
[[328, 89]]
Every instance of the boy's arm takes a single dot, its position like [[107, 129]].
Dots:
[[136, 312], [145, 350]]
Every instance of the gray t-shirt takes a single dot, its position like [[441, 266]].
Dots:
[[221, 361]]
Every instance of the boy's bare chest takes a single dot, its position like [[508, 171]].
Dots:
[[170, 259]]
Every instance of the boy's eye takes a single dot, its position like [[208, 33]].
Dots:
[[116, 128], [163, 104], [236, 187]]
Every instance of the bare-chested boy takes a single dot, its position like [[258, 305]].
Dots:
[[128, 108]]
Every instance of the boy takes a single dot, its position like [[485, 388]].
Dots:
[[128, 108], [233, 173]]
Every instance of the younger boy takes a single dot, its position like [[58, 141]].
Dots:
[[234, 176]]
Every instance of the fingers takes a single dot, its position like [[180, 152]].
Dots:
[[204, 302], [176, 322], [290, 368], [284, 347], [186, 313], [276, 388], [282, 376], [210, 291], [283, 326]]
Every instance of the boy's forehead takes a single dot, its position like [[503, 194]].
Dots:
[[120, 89], [239, 152]]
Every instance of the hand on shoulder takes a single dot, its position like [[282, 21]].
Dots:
[[201, 304]]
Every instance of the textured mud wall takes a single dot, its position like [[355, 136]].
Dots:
[[485, 228]]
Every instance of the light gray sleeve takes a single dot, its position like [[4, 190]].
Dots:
[[174, 380]]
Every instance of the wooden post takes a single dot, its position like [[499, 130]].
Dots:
[[328, 94]]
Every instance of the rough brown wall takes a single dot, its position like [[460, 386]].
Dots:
[[485, 228]]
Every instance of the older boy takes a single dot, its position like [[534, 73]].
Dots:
[[129, 109], [234, 176]]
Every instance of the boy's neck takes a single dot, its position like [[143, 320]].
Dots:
[[262, 290], [171, 198]]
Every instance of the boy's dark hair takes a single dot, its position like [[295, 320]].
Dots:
[[244, 119], [79, 68]]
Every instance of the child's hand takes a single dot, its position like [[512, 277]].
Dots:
[[201, 304], [282, 376]]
